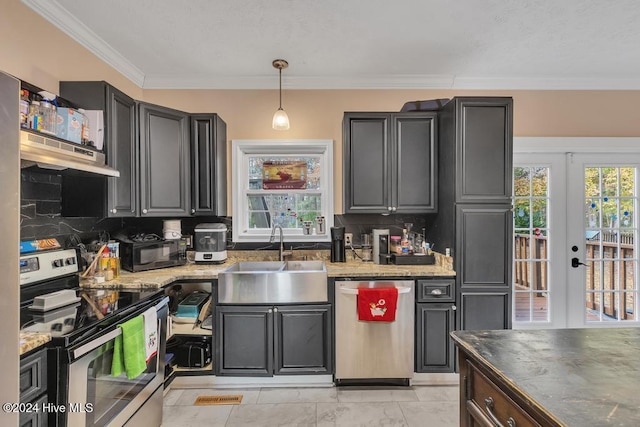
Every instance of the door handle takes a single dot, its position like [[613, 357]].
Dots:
[[575, 262]]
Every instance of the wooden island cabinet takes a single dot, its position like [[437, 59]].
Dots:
[[561, 377]]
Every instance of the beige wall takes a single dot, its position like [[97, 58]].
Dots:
[[35, 51]]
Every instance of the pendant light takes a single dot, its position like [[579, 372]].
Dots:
[[280, 118]]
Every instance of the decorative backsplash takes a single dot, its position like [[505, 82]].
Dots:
[[41, 207], [41, 217]]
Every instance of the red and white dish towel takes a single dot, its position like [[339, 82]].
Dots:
[[377, 304], [150, 333]]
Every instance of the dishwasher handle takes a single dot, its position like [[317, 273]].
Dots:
[[354, 291]]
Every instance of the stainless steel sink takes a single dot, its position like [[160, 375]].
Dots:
[[273, 282], [255, 266], [305, 266]]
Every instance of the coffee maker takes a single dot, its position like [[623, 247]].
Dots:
[[338, 253], [210, 243]]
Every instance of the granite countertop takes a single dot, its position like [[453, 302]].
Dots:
[[155, 279], [32, 340], [352, 268], [578, 377]]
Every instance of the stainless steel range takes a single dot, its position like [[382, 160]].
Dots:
[[83, 325]]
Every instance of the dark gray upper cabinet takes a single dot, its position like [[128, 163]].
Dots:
[[208, 165], [485, 146], [86, 197], [389, 162], [165, 186]]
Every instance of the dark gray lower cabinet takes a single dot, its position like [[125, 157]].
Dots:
[[33, 388], [434, 347], [267, 340]]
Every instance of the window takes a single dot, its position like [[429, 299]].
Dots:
[[282, 182]]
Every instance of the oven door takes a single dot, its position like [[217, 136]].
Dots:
[[95, 397]]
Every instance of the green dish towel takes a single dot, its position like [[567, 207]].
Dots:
[[129, 349]]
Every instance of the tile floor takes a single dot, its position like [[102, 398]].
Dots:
[[423, 406]]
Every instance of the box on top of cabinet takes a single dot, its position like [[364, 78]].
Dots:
[[69, 125]]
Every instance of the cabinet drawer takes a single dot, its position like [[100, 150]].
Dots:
[[36, 418], [33, 376], [488, 405], [435, 290]]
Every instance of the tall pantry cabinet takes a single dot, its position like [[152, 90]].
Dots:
[[475, 207]]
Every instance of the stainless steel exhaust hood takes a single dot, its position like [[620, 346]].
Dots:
[[51, 153]]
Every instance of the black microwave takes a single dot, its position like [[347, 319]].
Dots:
[[151, 254]]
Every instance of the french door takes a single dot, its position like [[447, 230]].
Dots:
[[602, 238], [575, 240]]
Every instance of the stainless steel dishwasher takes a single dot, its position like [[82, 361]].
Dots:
[[367, 352]]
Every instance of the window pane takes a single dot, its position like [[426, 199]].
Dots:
[[539, 181], [521, 184]]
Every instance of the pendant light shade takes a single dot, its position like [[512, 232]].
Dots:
[[280, 118]]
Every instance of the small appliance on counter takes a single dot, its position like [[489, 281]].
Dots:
[[141, 252], [338, 249], [380, 245], [367, 250], [210, 243]]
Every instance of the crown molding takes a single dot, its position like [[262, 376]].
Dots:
[[545, 83], [53, 12], [158, 81]]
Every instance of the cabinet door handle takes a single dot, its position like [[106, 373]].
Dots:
[[390, 208], [511, 422], [488, 405], [193, 211], [275, 309], [436, 292], [394, 209], [113, 210], [144, 211], [270, 311]]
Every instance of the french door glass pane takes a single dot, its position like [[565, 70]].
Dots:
[[531, 286], [611, 232]]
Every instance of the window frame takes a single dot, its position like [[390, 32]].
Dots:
[[244, 148]]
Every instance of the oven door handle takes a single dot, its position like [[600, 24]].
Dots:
[[84, 349], [162, 308]]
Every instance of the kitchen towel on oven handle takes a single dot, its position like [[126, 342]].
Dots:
[[150, 318], [377, 304], [129, 349]]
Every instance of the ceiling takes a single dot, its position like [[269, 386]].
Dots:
[[338, 44]]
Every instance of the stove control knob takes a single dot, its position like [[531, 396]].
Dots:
[[70, 261], [58, 263]]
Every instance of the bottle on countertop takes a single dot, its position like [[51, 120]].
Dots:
[[404, 243]]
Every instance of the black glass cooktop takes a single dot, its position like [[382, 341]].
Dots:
[[95, 310]]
